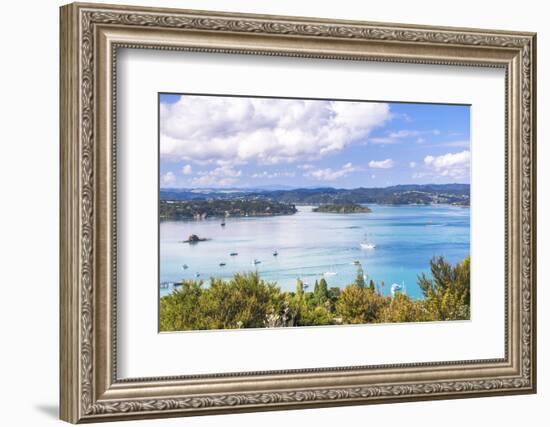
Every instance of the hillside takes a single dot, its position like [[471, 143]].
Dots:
[[202, 209], [456, 194]]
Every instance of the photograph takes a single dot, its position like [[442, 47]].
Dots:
[[284, 212]]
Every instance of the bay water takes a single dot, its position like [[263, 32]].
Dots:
[[312, 245]]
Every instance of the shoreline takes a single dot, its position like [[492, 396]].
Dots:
[[218, 217]]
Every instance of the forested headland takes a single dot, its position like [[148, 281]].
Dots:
[[202, 209], [342, 208]]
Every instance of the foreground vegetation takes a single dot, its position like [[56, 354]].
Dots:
[[247, 301]]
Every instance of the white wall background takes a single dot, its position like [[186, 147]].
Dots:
[[29, 170]]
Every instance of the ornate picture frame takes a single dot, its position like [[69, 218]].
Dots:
[[90, 37]]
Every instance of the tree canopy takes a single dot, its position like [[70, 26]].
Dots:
[[247, 301]]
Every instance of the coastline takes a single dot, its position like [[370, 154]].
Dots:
[[369, 205]]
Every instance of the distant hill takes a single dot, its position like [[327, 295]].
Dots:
[[457, 194]]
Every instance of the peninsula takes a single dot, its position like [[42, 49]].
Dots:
[[202, 209]]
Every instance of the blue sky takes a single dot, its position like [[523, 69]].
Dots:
[[213, 141]]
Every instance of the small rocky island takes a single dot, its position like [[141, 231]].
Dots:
[[344, 208], [193, 238], [202, 209]]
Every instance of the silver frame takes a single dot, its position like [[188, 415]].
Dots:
[[90, 37]]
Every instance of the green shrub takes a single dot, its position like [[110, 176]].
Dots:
[[247, 301]]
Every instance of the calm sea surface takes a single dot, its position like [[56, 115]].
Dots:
[[311, 245]]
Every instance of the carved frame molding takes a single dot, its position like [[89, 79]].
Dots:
[[90, 37]]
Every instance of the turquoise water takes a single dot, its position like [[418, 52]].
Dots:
[[310, 245]]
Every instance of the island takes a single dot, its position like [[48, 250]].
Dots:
[[193, 238], [202, 209], [344, 208]]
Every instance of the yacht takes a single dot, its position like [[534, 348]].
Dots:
[[367, 244], [398, 288]]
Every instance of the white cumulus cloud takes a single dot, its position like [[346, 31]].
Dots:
[[232, 131], [453, 165], [187, 170], [169, 178], [393, 137], [221, 176], [381, 164], [273, 175], [329, 174]]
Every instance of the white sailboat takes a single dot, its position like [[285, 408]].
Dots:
[[398, 288], [367, 244], [330, 273]]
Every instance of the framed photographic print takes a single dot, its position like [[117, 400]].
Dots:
[[265, 212], [266, 199]]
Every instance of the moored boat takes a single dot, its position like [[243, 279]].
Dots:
[[367, 244], [397, 288]]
